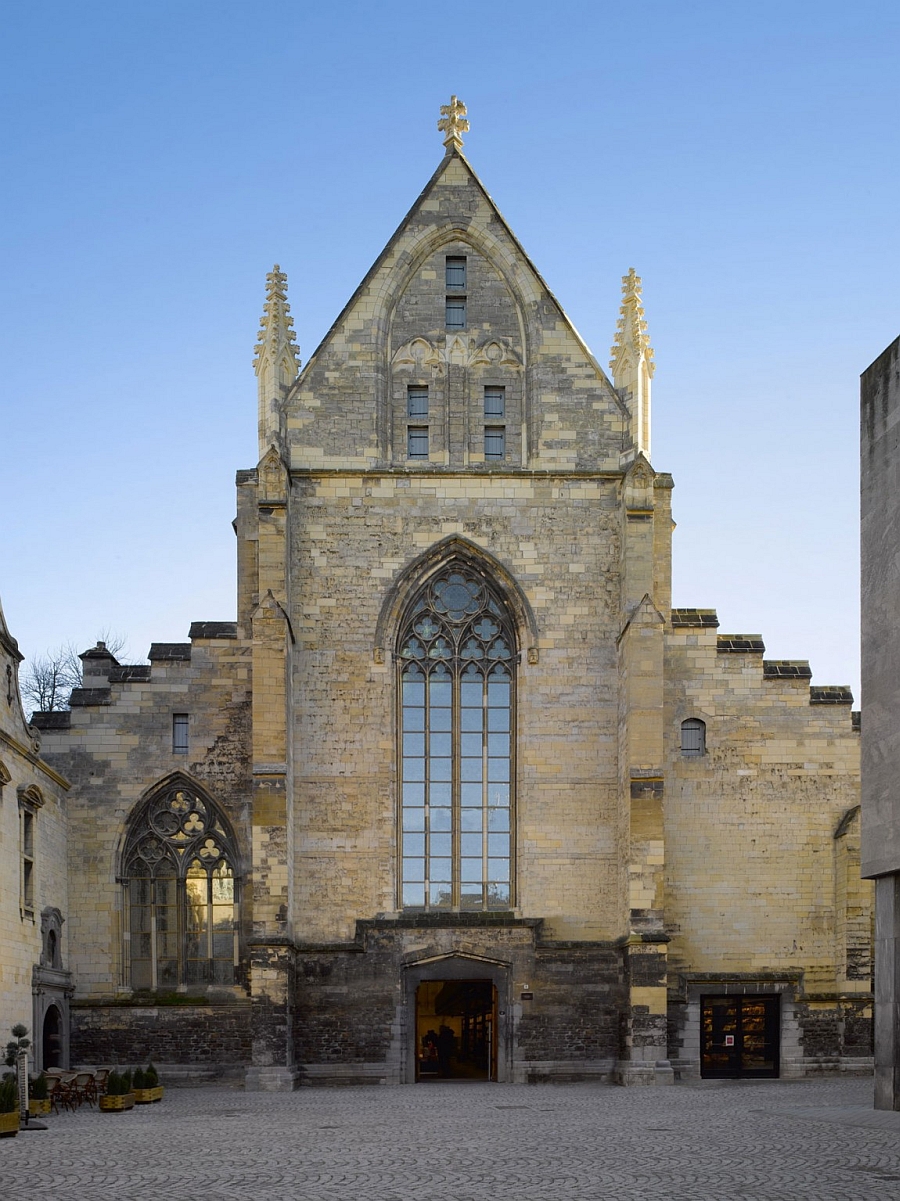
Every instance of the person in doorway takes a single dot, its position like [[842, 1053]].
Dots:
[[446, 1045], [429, 1063]]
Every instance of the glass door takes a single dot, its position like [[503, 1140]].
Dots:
[[739, 1037]]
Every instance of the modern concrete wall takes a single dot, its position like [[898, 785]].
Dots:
[[880, 513]]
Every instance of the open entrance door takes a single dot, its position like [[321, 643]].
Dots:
[[456, 1030], [739, 1037]]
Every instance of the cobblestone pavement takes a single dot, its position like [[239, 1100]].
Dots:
[[759, 1140]]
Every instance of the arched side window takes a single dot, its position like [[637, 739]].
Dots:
[[51, 938], [181, 892], [456, 674], [693, 738]]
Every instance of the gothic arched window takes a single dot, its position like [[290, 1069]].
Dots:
[[457, 661], [181, 892]]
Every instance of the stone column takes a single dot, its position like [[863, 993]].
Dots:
[[644, 1055], [272, 1017], [271, 948]]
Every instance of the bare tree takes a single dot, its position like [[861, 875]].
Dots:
[[47, 680]]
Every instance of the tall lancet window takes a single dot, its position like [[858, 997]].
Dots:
[[457, 656]]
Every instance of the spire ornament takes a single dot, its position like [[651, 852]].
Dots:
[[276, 356], [632, 364], [453, 123]]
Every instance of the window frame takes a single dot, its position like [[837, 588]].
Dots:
[[31, 801], [27, 851], [455, 263], [181, 725], [418, 434], [692, 726], [494, 392], [451, 784], [416, 393], [496, 433], [456, 304], [201, 837]]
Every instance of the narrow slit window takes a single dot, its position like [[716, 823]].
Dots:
[[27, 860], [456, 271], [417, 402], [417, 442], [494, 442], [495, 402], [693, 738], [456, 312], [29, 804], [179, 733]]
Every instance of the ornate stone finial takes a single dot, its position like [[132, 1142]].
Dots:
[[276, 332], [276, 355], [632, 364], [453, 123]]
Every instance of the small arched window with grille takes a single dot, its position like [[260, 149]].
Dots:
[[457, 667], [693, 738], [181, 892]]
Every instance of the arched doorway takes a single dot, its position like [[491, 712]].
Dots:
[[51, 1040]]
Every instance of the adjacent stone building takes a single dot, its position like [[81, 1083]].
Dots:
[[35, 983], [880, 444], [459, 790]]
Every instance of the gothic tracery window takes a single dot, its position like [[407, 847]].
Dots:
[[457, 657], [182, 903]]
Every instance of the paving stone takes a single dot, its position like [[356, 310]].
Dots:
[[750, 1140]]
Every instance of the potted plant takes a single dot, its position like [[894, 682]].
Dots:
[[18, 1043], [152, 1078], [9, 1106], [9, 1086], [38, 1097], [118, 1095], [146, 1085]]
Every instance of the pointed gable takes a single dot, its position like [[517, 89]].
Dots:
[[453, 354]]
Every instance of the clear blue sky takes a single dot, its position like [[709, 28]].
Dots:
[[159, 157]]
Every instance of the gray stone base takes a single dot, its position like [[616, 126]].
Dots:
[[563, 1071], [323, 1075], [826, 1065], [271, 1080], [628, 1073]]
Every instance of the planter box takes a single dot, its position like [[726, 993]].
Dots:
[[9, 1124], [146, 1096], [37, 1108], [117, 1104]]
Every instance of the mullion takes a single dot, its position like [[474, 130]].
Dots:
[[485, 735], [442, 778], [456, 790], [209, 923], [427, 773]]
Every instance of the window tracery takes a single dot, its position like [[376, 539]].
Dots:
[[457, 659], [182, 892]]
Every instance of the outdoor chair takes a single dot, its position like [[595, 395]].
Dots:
[[67, 1093], [54, 1094], [84, 1088]]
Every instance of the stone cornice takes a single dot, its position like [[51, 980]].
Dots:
[[35, 760]]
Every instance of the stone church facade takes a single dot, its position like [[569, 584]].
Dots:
[[458, 762]]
